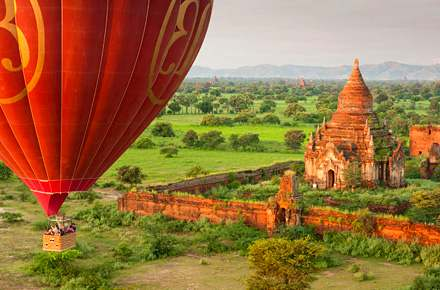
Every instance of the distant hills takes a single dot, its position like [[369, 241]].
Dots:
[[384, 71]]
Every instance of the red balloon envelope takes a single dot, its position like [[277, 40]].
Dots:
[[81, 79]]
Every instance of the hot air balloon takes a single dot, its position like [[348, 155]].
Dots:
[[80, 80]]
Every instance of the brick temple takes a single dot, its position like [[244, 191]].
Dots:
[[425, 143], [354, 133]]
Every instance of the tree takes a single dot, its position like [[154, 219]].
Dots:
[[174, 107], [293, 109], [205, 106], [249, 141], [162, 129], [191, 139], [434, 106], [234, 142], [131, 175], [144, 143], [353, 175], [211, 139], [271, 119], [169, 151], [5, 172], [196, 171], [240, 103], [382, 97], [267, 106], [280, 264], [294, 139], [436, 174]]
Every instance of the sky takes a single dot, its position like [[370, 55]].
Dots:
[[321, 32]]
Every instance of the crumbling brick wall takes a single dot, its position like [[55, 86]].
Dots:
[[422, 138]]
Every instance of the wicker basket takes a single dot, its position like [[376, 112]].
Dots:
[[55, 243]]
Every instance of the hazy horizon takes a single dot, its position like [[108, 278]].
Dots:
[[321, 33]]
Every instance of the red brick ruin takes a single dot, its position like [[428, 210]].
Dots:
[[279, 210], [354, 134], [425, 143]]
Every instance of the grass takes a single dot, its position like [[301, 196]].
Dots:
[[161, 169], [228, 271]]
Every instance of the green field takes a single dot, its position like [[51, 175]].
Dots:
[[161, 169]]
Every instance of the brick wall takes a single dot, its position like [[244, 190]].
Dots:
[[192, 208], [205, 183], [421, 139]]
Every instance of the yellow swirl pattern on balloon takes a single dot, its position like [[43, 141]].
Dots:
[[181, 31], [23, 46]]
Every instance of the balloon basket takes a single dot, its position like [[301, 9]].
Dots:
[[55, 243], [60, 235]]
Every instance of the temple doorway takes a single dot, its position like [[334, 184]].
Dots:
[[281, 217], [331, 179]]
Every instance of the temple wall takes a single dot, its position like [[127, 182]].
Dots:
[[192, 208], [422, 138], [205, 183]]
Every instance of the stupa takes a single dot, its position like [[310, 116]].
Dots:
[[354, 134]]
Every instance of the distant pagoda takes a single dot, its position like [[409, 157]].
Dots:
[[354, 134]]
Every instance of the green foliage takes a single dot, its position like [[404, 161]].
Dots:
[[211, 120], [90, 196], [293, 109], [412, 168], [211, 139], [162, 129], [11, 217], [363, 276], [268, 106], [282, 264], [271, 119], [55, 269], [429, 281], [294, 139], [40, 225], [169, 151], [196, 171], [353, 244], [426, 199], [5, 172], [354, 268], [436, 174], [364, 223], [352, 174], [431, 256], [102, 216], [144, 143], [191, 139], [131, 175]]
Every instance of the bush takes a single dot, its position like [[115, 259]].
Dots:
[[196, 171], [191, 139], [234, 141], [211, 139], [105, 216], [282, 264], [211, 120], [5, 172], [429, 281], [431, 256], [160, 246], [426, 200], [161, 129], [436, 174], [359, 245], [144, 143], [122, 252], [55, 269], [294, 139], [412, 168], [40, 225], [244, 117], [267, 106], [364, 223], [11, 217], [169, 151], [271, 119], [363, 276], [131, 175], [90, 196]]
